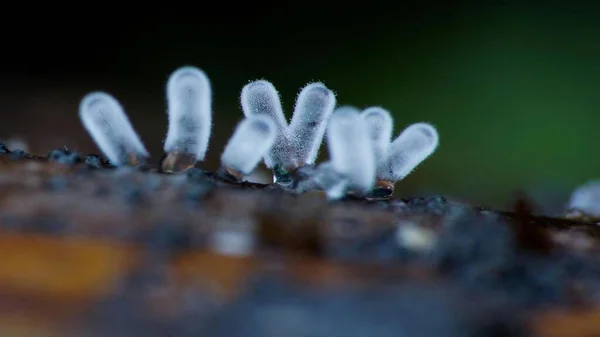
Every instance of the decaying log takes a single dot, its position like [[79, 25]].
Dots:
[[90, 250]]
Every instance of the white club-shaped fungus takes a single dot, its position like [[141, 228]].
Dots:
[[251, 140], [260, 98], [189, 99], [297, 144], [350, 148], [106, 121], [417, 142], [314, 106], [380, 124]]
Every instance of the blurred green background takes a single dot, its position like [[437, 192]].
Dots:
[[514, 89]]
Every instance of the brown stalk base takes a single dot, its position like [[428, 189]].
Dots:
[[175, 162]]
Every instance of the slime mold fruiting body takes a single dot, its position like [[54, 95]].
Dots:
[[190, 119], [251, 140], [351, 149], [297, 144], [417, 142], [105, 120], [363, 161]]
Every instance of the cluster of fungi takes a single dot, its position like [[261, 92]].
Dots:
[[109, 245]]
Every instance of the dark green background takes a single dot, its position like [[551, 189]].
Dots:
[[514, 89]]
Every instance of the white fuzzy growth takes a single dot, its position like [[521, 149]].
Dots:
[[105, 120], [586, 198], [189, 98], [415, 144], [261, 98], [314, 106], [350, 148], [333, 183], [250, 142], [380, 124]]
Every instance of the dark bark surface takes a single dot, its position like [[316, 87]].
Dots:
[[154, 254]]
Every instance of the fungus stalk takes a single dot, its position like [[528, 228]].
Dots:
[[107, 123], [297, 144], [417, 142], [250, 142], [314, 106], [189, 99], [350, 150]]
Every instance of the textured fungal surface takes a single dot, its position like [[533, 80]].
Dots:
[[351, 150], [252, 139], [189, 100], [417, 142], [380, 124], [298, 144], [105, 119], [314, 105], [261, 98]]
